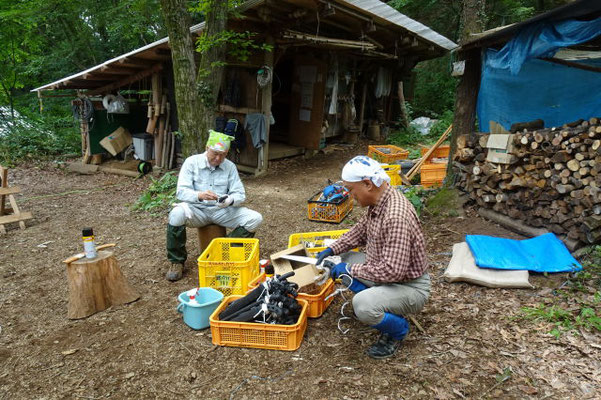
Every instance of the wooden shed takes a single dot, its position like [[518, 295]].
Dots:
[[533, 163], [334, 70]]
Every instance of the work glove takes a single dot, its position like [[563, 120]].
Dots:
[[342, 271], [226, 202], [338, 270], [323, 254]]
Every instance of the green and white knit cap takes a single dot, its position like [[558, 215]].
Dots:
[[219, 141]]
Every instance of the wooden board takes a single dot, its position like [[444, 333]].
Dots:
[[306, 117]]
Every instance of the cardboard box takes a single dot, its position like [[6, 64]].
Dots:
[[304, 274], [499, 149], [117, 141]]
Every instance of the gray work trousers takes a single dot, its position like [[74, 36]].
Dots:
[[401, 298], [229, 217]]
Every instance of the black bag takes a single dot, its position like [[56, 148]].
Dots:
[[234, 128]]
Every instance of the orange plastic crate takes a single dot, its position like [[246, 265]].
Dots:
[[432, 174], [317, 302], [440, 152], [327, 211], [393, 172], [387, 153], [255, 335], [228, 264]]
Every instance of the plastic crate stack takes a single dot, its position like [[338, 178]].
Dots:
[[431, 173]]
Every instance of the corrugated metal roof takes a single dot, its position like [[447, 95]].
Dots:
[[104, 64], [384, 11]]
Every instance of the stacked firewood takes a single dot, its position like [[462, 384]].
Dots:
[[553, 180]]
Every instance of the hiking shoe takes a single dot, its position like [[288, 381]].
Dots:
[[384, 347], [175, 272]]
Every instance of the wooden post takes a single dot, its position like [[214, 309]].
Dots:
[[15, 214], [208, 233], [263, 157], [465, 103], [96, 284], [403, 109], [362, 110]]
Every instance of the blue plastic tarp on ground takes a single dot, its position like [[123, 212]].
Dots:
[[544, 253]]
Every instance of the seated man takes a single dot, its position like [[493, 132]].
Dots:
[[210, 192], [390, 280]]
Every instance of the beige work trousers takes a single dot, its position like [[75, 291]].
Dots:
[[401, 298]]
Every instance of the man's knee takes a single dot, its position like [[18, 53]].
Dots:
[[253, 221], [365, 310], [177, 217]]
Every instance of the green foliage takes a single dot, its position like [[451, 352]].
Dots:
[[416, 196], [578, 304], [41, 138], [445, 120], [240, 45], [159, 196], [434, 89]]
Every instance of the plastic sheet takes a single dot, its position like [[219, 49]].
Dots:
[[516, 86], [544, 253], [554, 93], [543, 40]]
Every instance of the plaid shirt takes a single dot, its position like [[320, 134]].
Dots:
[[393, 240]]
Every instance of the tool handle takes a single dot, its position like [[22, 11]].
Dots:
[[81, 255]]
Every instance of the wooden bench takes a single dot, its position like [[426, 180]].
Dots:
[[10, 214]]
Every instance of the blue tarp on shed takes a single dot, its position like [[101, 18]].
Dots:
[[557, 94]]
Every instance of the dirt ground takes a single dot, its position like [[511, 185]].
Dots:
[[144, 350]]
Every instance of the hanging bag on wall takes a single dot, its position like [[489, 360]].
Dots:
[[115, 104]]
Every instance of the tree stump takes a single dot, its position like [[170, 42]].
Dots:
[[96, 284], [208, 233]]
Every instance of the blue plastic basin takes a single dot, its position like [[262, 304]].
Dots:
[[196, 316]]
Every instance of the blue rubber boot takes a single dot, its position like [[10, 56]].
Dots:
[[393, 330]]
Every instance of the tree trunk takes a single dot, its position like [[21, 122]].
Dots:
[[189, 112], [210, 69], [472, 21], [96, 284]]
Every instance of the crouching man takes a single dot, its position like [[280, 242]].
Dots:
[[211, 192], [390, 278]]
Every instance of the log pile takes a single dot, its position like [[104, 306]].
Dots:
[[553, 180]]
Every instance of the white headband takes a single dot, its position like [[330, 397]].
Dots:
[[363, 167]]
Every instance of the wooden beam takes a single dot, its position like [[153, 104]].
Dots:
[[138, 62], [126, 81], [113, 70], [572, 64], [7, 219], [9, 190]]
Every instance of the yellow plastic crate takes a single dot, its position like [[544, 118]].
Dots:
[[432, 174], [387, 153], [317, 302], [328, 211], [314, 242], [393, 172], [255, 335], [229, 264]]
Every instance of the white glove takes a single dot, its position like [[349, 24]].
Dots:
[[226, 203]]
